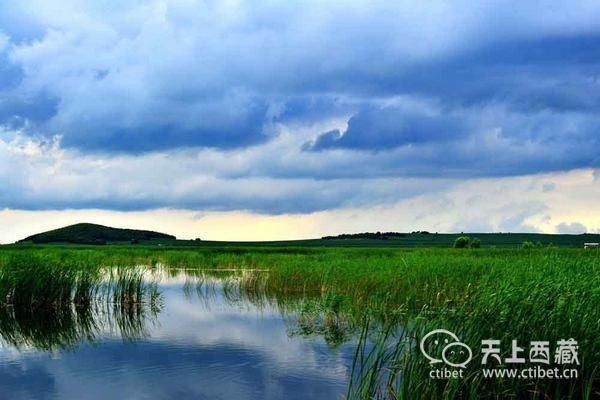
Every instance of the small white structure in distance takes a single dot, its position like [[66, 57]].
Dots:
[[591, 245]]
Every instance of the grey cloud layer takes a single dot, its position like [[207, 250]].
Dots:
[[136, 77], [291, 106], [492, 142], [45, 176]]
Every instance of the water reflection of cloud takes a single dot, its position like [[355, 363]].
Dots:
[[252, 328], [198, 349]]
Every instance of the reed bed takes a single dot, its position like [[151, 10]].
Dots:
[[525, 294]]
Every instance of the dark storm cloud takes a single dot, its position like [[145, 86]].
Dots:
[[490, 142], [386, 128], [555, 72], [225, 127], [126, 78], [295, 92]]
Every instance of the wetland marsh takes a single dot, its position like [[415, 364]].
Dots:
[[285, 322]]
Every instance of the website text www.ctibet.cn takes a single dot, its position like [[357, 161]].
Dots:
[[449, 358]]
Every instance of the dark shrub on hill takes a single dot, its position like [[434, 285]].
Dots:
[[465, 242], [462, 242]]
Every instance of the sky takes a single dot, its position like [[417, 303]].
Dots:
[[244, 120]]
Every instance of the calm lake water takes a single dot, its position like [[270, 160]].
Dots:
[[199, 340]]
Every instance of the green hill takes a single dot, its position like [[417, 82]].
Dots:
[[94, 234]]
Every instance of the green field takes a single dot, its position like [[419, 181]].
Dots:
[[392, 295], [410, 240]]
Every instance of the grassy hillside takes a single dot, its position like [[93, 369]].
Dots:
[[95, 234]]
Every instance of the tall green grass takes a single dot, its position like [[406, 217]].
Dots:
[[547, 296], [50, 302]]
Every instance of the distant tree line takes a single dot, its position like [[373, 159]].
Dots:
[[374, 235]]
